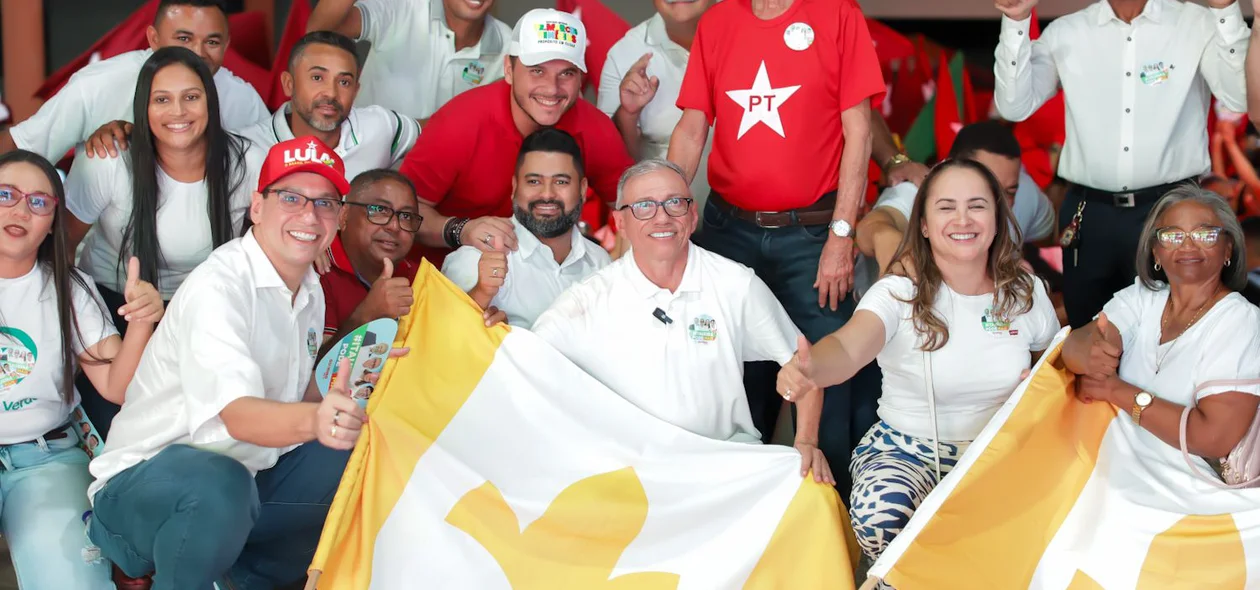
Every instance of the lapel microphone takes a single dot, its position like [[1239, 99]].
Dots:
[[659, 314]]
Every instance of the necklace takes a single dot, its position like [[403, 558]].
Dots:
[[1163, 326]]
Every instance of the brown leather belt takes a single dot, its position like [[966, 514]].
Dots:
[[57, 433], [820, 213]]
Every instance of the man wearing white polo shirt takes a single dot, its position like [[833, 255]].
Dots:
[[641, 79], [670, 325], [1137, 76], [548, 191], [424, 52], [322, 83], [100, 96]]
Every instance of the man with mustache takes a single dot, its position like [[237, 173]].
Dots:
[[96, 102], [551, 254], [322, 82], [424, 52], [464, 161]]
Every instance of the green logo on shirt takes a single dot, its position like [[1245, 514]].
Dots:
[[993, 322], [17, 359]]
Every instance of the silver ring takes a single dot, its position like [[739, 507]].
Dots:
[[494, 272], [488, 239], [333, 432], [336, 415], [789, 393]]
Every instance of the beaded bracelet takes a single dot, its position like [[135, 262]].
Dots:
[[453, 229]]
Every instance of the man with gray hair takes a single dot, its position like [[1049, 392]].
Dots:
[[670, 325]]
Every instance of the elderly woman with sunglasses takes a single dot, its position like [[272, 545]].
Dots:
[[1180, 325]]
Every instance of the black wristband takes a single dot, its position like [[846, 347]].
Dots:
[[452, 230]]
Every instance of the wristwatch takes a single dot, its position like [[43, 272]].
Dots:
[[841, 228], [897, 159], [1140, 402]]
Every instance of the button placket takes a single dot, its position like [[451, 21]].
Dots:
[[1128, 99]]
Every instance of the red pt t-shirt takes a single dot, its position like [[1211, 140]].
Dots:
[[465, 157], [773, 91]]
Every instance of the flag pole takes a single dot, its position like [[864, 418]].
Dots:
[[869, 584], [312, 578]]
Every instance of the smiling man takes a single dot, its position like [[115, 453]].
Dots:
[[99, 96], [464, 161], [551, 254]]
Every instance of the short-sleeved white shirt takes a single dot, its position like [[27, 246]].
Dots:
[[413, 67], [1034, 213], [661, 115], [235, 330], [30, 351], [688, 372], [104, 92], [371, 137], [98, 192], [972, 375], [533, 280]]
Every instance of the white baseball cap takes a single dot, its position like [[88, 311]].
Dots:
[[544, 34]]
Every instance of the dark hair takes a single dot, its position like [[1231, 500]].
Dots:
[[163, 5], [330, 38], [370, 178], [225, 169], [550, 139], [1013, 293], [54, 255], [985, 136], [1251, 228]]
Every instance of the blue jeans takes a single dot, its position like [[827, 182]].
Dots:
[[43, 495], [189, 516], [787, 260]]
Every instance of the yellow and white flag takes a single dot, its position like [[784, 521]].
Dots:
[[492, 462], [1056, 495]]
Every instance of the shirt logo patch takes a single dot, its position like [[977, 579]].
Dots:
[[474, 73], [995, 324], [761, 103], [17, 359], [1154, 74], [312, 342], [798, 36], [703, 329]]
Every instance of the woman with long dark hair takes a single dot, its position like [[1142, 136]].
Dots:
[[954, 325], [177, 193], [51, 324]]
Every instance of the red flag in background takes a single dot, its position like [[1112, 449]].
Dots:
[[604, 28], [889, 44], [250, 38], [1034, 28], [294, 29]]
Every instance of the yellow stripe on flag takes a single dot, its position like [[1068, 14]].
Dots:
[[401, 427], [1049, 443], [789, 547], [1197, 552]]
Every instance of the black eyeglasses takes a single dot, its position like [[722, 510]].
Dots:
[[293, 202], [645, 210], [381, 215], [41, 204]]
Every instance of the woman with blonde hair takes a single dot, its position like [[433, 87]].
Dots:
[[955, 326]]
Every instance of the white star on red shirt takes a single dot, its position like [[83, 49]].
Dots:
[[761, 103]]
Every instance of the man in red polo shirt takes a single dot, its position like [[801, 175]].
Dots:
[[370, 277], [787, 86], [463, 163]]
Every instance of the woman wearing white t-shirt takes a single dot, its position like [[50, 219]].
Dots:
[[51, 324], [1180, 325], [177, 193], [955, 326]]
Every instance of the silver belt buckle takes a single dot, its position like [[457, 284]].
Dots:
[[1123, 200], [764, 225]]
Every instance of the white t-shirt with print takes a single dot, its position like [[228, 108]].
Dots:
[[98, 192], [30, 351], [104, 92], [973, 374]]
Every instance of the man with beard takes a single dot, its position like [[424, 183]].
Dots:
[[424, 52], [551, 254], [322, 82], [96, 102], [463, 163]]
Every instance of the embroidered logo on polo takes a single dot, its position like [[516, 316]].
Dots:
[[761, 103], [703, 329], [17, 359], [994, 323]]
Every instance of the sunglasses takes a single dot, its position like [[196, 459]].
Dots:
[[41, 204], [1172, 238]]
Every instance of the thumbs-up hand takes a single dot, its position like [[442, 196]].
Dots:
[[796, 378], [1105, 349], [144, 302], [637, 89], [389, 297], [492, 270]]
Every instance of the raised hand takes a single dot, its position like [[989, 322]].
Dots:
[[492, 270], [1104, 350], [390, 296], [144, 302], [796, 377], [339, 419], [637, 89], [1016, 10]]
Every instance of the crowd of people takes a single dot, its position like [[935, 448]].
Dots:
[[202, 254]]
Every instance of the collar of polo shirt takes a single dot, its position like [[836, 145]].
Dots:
[[1152, 11], [491, 43], [527, 243], [646, 288], [656, 36], [283, 132]]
